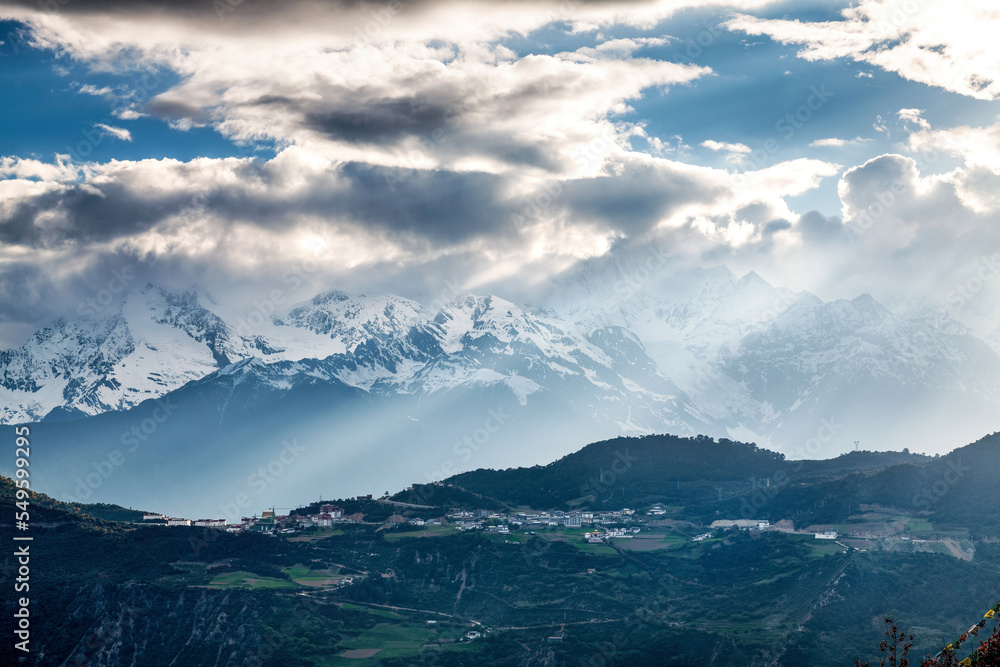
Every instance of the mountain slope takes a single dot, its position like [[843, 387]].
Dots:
[[878, 376]]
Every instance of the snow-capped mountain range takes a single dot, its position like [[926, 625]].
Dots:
[[702, 352], [159, 342]]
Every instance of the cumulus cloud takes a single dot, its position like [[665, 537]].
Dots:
[[909, 225], [978, 149], [947, 45]]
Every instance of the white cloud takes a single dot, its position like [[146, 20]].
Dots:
[[834, 142], [881, 126], [129, 114], [626, 47], [948, 45], [975, 146], [24, 169], [116, 132], [88, 89], [916, 232], [727, 147], [735, 152], [914, 116], [977, 180], [830, 142]]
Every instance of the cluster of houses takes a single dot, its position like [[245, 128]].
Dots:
[[267, 522], [479, 519], [599, 536], [500, 522], [503, 523], [606, 525]]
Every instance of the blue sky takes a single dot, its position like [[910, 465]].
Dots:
[[45, 113], [214, 149]]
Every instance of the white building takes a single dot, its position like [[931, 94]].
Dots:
[[827, 535], [178, 522], [333, 510]]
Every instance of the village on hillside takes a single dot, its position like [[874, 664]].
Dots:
[[621, 527]]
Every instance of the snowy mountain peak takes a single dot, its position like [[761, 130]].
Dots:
[[154, 342], [753, 278], [355, 320]]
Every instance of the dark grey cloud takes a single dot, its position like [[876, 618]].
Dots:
[[22, 286], [637, 199], [438, 208], [183, 7], [380, 121], [89, 217], [31, 291], [254, 8], [776, 226], [437, 119], [817, 228], [442, 207]]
